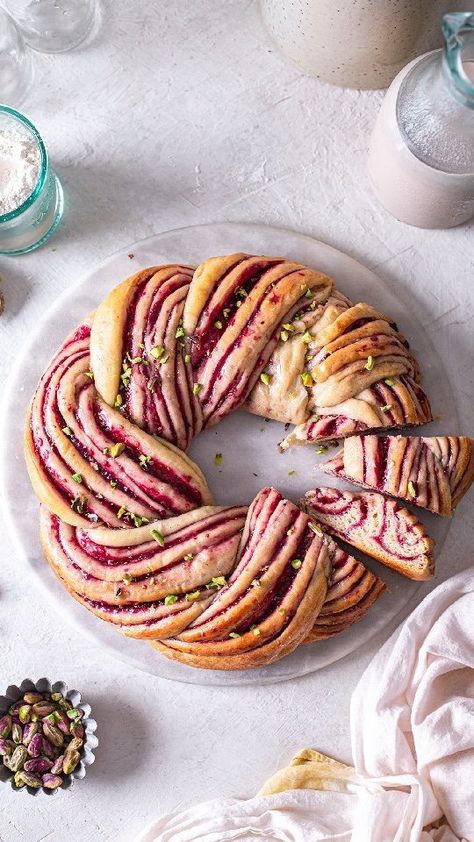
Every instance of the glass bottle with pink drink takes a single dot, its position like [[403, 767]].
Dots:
[[421, 157]]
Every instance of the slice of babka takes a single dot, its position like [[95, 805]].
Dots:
[[375, 525], [433, 472]]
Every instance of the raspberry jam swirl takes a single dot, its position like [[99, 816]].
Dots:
[[89, 464], [140, 356], [375, 525]]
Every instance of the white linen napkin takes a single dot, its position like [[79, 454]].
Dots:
[[412, 731]]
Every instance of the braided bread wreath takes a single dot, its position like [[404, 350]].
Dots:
[[127, 520]]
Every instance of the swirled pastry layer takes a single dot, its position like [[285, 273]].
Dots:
[[89, 464], [433, 472]]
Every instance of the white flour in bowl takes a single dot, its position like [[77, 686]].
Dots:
[[20, 163]]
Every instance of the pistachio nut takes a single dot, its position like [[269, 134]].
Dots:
[[62, 721], [42, 709], [6, 746], [57, 766], [18, 758], [30, 729], [52, 733], [47, 748], [75, 713], [51, 781], [71, 759], [38, 764], [75, 745], [57, 697], [27, 779], [5, 725], [35, 745], [31, 698], [24, 713], [77, 730], [17, 733]]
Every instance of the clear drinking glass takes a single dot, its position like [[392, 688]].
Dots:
[[54, 26], [16, 67], [29, 225]]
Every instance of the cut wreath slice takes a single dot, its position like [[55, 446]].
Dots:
[[376, 526], [433, 472]]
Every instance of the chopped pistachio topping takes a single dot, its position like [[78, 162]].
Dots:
[[191, 597], [282, 611], [289, 327], [291, 473], [218, 459], [242, 293], [255, 583], [290, 531], [79, 504], [306, 337], [226, 312], [370, 363], [315, 528], [218, 324], [121, 512], [238, 304], [307, 379], [113, 483], [127, 578], [138, 520], [116, 449], [296, 563], [411, 489], [67, 431], [164, 359], [217, 582], [144, 461], [179, 332], [187, 358], [188, 557], [159, 538], [90, 375], [266, 378], [234, 635], [197, 388], [76, 478], [171, 599], [389, 381], [118, 400], [152, 383], [157, 351], [386, 407], [321, 448], [309, 294], [255, 630], [284, 335]]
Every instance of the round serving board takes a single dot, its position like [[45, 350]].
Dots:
[[250, 456]]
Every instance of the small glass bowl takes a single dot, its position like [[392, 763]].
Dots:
[[29, 226], [43, 685]]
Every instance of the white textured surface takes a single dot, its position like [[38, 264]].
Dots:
[[182, 113]]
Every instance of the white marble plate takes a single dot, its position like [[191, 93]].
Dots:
[[251, 459]]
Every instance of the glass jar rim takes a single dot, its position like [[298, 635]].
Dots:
[[17, 115]]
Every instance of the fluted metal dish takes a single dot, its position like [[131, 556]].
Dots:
[[43, 685]]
